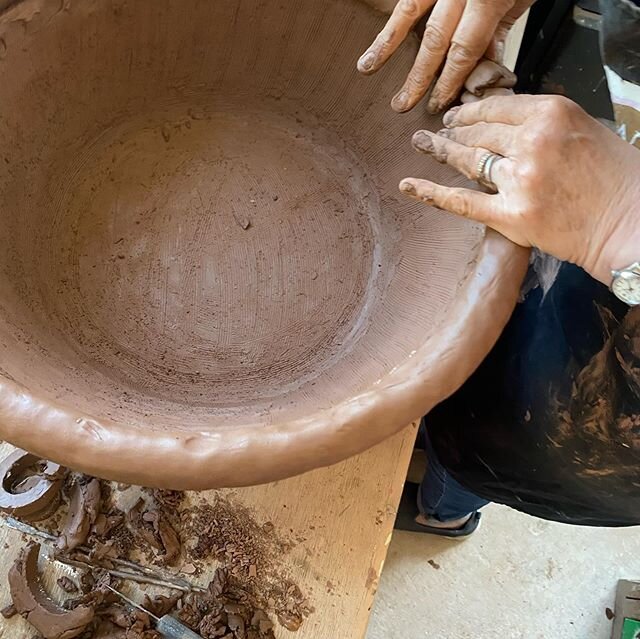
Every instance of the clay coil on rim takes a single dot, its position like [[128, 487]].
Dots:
[[208, 276]]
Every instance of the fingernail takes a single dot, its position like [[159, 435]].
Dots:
[[433, 106], [422, 141], [449, 116], [366, 62], [401, 101], [407, 187]]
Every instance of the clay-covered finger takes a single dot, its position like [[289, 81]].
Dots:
[[495, 50], [469, 42], [511, 109], [474, 205], [433, 50], [465, 159], [497, 138], [489, 75], [402, 20], [467, 97]]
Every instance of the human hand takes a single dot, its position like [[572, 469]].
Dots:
[[458, 34], [565, 184]]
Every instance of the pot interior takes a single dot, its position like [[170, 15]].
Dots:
[[200, 221]]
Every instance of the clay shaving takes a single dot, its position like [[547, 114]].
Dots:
[[9, 611], [83, 512], [250, 551], [159, 529], [29, 487], [29, 599]]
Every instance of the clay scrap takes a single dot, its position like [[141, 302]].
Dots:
[[83, 512], [224, 610], [152, 526], [9, 611], [105, 542], [29, 487], [490, 75], [31, 601], [488, 79]]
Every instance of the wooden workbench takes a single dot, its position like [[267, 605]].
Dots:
[[342, 518], [342, 515]]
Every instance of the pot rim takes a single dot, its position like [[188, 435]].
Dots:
[[255, 453]]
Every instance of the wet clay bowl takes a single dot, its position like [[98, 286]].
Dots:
[[208, 276]]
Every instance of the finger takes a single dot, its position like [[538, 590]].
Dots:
[[470, 204], [466, 159], [497, 138], [404, 16], [467, 97], [433, 49], [469, 42], [495, 50], [513, 109], [489, 75]]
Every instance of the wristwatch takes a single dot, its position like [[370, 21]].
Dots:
[[626, 284]]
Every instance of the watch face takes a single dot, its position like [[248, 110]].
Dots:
[[627, 288]]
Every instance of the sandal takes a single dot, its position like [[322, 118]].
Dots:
[[405, 519]]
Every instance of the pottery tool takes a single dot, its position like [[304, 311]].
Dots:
[[166, 625], [124, 569]]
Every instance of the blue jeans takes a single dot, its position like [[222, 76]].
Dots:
[[440, 495]]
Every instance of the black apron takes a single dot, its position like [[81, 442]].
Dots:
[[550, 423]]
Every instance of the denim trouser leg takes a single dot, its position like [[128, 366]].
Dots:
[[440, 495]]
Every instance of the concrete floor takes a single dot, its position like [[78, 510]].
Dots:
[[516, 578]]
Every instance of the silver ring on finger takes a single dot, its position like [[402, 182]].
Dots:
[[485, 166]]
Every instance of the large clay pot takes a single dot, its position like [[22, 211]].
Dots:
[[208, 276]]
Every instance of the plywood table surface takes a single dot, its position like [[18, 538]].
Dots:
[[341, 518]]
